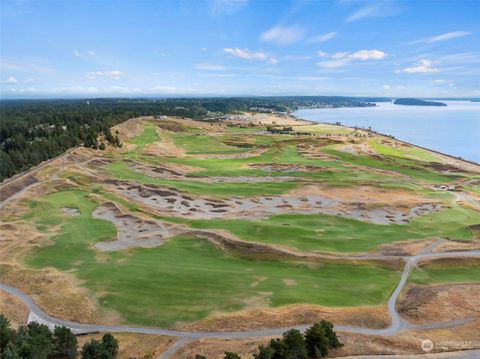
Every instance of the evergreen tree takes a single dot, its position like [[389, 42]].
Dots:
[[65, 343]]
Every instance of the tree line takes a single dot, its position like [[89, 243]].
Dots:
[[36, 341], [315, 343], [32, 131]]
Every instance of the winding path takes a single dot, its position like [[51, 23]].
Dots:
[[397, 323]]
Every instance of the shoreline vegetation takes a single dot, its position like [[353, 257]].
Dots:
[[33, 131], [417, 102]]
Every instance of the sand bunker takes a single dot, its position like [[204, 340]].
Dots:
[[171, 202], [169, 172], [132, 231], [69, 211]]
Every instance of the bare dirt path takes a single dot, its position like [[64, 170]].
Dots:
[[397, 323]]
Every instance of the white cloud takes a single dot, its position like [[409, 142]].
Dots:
[[423, 66], [282, 35], [11, 80], [76, 53], [340, 59], [368, 55], [29, 81], [386, 87], [400, 87], [250, 55], [448, 36], [322, 38], [113, 75], [91, 53], [209, 67], [339, 55], [378, 9]]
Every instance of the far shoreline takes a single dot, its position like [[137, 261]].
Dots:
[[459, 158]]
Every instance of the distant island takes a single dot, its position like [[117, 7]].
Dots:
[[416, 102]]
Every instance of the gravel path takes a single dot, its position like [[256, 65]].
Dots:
[[397, 323]]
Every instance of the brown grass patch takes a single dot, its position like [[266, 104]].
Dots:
[[375, 317], [13, 309], [134, 345], [426, 304], [365, 194], [58, 294]]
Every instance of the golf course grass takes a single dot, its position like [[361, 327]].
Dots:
[[188, 278], [446, 275]]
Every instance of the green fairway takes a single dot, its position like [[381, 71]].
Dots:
[[405, 152], [187, 278], [120, 170], [316, 232], [449, 274]]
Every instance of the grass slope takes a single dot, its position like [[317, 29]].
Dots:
[[187, 278]]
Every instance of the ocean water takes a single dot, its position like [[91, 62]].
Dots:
[[454, 129]]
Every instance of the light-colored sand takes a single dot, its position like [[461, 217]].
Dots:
[[169, 201], [132, 231]]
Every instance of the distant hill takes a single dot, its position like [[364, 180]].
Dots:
[[417, 102]]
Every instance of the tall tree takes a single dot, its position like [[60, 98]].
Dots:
[[65, 343]]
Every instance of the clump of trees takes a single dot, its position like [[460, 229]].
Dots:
[[36, 341], [315, 343]]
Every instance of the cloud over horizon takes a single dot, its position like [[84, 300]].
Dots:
[[283, 35], [246, 54], [421, 67], [340, 59]]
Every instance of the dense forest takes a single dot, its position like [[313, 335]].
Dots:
[[32, 131]]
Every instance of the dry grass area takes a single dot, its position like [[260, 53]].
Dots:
[[216, 348], [408, 342], [130, 129], [405, 248], [374, 317], [134, 346], [365, 194], [13, 309], [58, 294], [419, 304], [270, 119], [457, 246]]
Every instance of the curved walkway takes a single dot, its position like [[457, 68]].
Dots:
[[397, 323]]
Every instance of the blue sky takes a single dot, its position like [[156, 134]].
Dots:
[[70, 48]]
